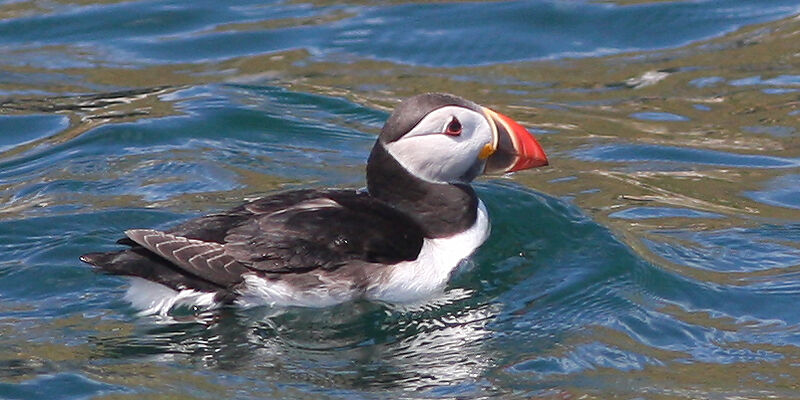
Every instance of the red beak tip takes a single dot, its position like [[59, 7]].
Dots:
[[529, 153], [532, 154]]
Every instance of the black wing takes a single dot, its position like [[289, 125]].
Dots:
[[326, 232], [290, 232]]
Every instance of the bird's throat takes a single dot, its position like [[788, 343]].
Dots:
[[441, 209]]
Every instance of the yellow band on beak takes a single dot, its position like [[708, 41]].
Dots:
[[486, 151], [489, 148]]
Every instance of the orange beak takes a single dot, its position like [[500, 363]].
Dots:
[[514, 148]]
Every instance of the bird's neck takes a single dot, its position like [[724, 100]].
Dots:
[[441, 209]]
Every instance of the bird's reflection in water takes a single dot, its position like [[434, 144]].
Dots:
[[354, 345]]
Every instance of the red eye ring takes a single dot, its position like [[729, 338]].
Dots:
[[453, 128]]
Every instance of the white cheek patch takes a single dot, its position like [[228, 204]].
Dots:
[[428, 153], [435, 158]]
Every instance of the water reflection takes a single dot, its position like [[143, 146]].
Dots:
[[356, 345], [660, 263]]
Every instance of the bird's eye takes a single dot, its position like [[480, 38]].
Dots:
[[453, 128]]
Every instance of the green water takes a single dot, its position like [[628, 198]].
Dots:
[[657, 257]]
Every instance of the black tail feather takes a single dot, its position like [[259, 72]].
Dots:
[[139, 262]]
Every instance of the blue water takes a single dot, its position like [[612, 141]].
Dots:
[[657, 257]]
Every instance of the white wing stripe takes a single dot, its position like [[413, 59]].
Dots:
[[202, 256], [159, 245], [208, 261], [187, 247]]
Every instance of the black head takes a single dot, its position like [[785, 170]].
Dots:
[[411, 111]]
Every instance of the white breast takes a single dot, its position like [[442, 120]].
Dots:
[[414, 280]]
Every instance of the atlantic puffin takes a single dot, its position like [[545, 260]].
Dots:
[[395, 242]]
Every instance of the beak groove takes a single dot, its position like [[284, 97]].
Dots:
[[515, 148]]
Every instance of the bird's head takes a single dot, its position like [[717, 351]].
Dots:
[[444, 138]]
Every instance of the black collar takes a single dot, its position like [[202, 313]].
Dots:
[[441, 209]]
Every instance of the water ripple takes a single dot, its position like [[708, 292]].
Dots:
[[682, 155], [657, 256]]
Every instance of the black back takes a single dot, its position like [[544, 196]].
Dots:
[[286, 233]]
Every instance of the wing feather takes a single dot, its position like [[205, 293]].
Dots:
[[325, 233], [291, 232], [191, 255]]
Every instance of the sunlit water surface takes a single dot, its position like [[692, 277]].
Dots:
[[658, 257]]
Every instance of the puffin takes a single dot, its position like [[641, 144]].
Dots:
[[397, 241]]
